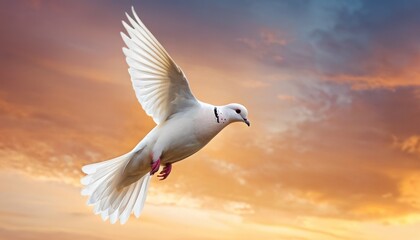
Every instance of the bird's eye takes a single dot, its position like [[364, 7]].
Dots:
[[238, 111]]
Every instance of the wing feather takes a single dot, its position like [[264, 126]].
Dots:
[[160, 85], [138, 35]]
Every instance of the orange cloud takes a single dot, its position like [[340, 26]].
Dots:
[[319, 162], [410, 144]]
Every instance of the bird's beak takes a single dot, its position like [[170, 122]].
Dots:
[[247, 122]]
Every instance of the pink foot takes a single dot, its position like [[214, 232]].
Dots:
[[155, 167], [165, 171]]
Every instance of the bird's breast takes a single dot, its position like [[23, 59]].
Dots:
[[185, 136]]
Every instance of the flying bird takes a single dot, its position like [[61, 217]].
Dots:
[[118, 187]]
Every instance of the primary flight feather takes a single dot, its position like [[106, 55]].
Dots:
[[118, 187]]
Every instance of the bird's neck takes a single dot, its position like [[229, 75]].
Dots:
[[220, 116]]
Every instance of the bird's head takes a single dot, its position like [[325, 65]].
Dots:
[[237, 113]]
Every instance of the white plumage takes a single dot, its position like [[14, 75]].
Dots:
[[118, 187]]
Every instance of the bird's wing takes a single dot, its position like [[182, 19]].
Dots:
[[160, 85]]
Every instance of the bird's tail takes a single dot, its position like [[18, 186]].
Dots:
[[110, 200]]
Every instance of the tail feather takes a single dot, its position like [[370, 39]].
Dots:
[[104, 215], [116, 199], [92, 168], [113, 217], [129, 208], [99, 174], [111, 201], [126, 198], [102, 191], [138, 206]]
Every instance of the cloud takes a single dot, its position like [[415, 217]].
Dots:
[[268, 44], [248, 42], [76, 220], [286, 97], [355, 43], [371, 46], [27, 234], [356, 138], [337, 162], [335, 131], [255, 84], [269, 37], [409, 145]]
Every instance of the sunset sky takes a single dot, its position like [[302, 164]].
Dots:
[[333, 94]]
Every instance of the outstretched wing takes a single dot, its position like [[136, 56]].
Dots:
[[160, 85]]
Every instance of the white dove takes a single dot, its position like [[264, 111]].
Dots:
[[118, 187]]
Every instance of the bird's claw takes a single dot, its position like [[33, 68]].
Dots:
[[165, 171], [155, 167]]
